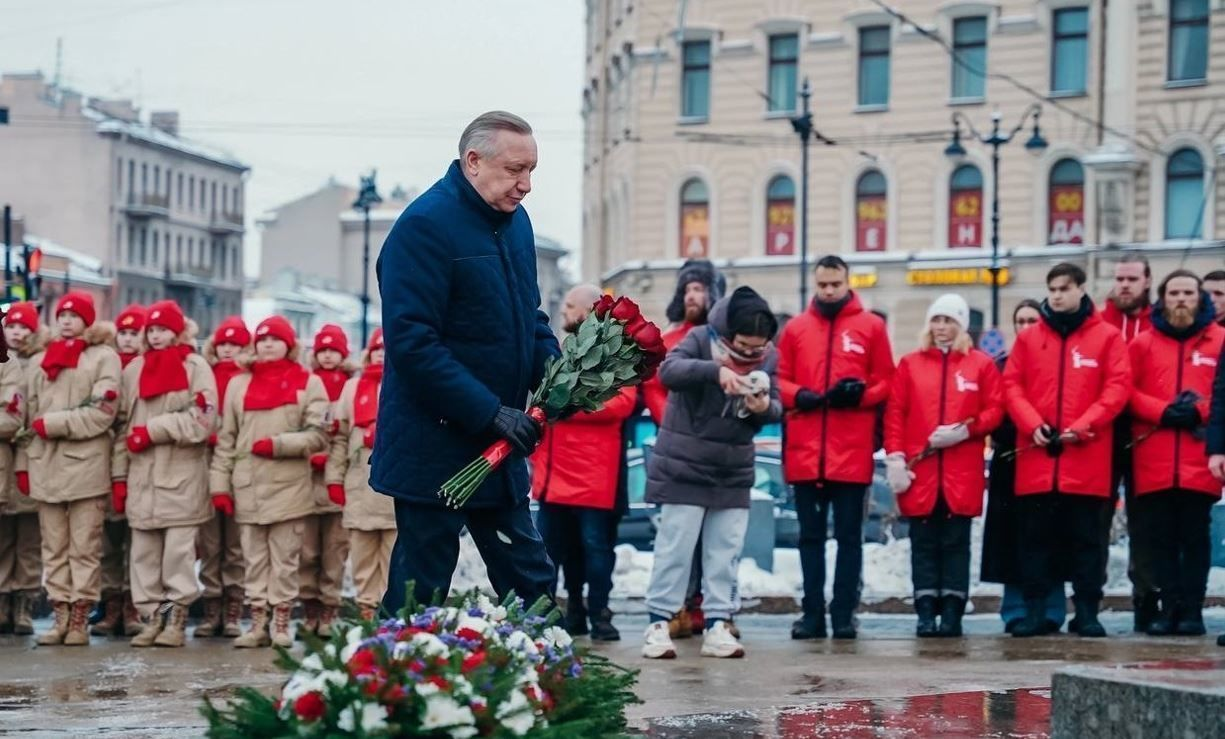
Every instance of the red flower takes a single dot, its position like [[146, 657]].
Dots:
[[14, 405], [363, 663], [473, 661], [624, 310], [602, 306], [635, 326], [443, 685], [310, 707], [201, 401], [469, 634], [110, 395], [416, 666]]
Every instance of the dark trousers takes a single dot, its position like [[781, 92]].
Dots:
[[578, 540], [1178, 525], [812, 506], [940, 553], [427, 550], [1055, 522], [1140, 566]]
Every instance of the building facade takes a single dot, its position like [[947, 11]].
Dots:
[[690, 149]]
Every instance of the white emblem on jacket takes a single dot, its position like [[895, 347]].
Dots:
[[1201, 360], [849, 345], [1080, 361], [964, 385]]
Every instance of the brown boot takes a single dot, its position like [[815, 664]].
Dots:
[[233, 613], [280, 625], [111, 622], [78, 624], [174, 633], [311, 612], [23, 612], [681, 625], [257, 635], [132, 623], [55, 634], [327, 619], [149, 630], [6, 613], [210, 625]]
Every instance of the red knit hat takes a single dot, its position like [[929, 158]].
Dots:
[[80, 303], [376, 340], [278, 328], [131, 318], [332, 336], [232, 331], [24, 313], [168, 315]]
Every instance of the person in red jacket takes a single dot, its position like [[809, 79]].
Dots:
[[945, 398], [1173, 367], [834, 368], [1065, 382], [575, 474]]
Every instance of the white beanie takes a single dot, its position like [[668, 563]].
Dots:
[[953, 306]]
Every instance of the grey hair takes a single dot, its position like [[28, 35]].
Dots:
[[480, 132]]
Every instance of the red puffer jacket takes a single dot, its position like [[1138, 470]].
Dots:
[[1131, 327], [579, 460], [654, 394], [814, 352], [1163, 367], [1078, 383], [932, 388]]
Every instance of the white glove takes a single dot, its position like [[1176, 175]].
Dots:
[[948, 435], [897, 474]]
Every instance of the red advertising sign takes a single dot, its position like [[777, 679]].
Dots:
[[870, 223], [966, 218], [695, 231], [1067, 208], [780, 227]]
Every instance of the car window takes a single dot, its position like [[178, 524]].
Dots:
[[636, 481]]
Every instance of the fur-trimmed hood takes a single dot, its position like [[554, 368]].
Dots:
[[347, 364], [209, 352], [99, 334], [696, 270], [34, 343]]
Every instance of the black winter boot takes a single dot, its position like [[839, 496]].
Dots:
[[1034, 623], [1166, 622], [1191, 619], [925, 609], [602, 628], [1144, 611], [843, 625], [809, 626], [951, 608], [576, 617], [1087, 624]]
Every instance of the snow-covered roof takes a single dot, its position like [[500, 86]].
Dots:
[[376, 214], [52, 249], [157, 137]]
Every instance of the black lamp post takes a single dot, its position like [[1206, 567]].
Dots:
[[995, 140], [802, 124], [367, 198]]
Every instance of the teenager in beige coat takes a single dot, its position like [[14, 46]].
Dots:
[[219, 544], [325, 545], [21, 567], [160, 471], [274, 419], [370, 517], [73, 396]]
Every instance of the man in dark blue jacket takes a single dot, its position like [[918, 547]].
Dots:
[[466, 343]]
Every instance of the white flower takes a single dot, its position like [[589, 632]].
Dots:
[[557, 637], [426, 689], [401, 650], [497, 614], [463, 732], [521, 642], [528, 676], [329, 649], [372, 717], [428, 645], [354, 635], [347, 653], [299, 685], [331, 677], [479, 625], [461, 687], [312, 662], [484, 602], [441, 711], [516, 714]]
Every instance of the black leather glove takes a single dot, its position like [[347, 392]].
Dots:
[[846, 393], [1055, 447], [1183, 416], [514, 425], [808, 400]]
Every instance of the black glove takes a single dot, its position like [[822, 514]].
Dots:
[[1183, 416], [846, 393], [514, 425], [808, 400], [1055, 447]]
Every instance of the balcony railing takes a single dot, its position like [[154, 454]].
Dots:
[[144, 205], [224, 223]]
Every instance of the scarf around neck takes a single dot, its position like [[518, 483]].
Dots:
[[224, 371], [164, 371], [366, 400], [62, 354], [274, 384], [333, 381]]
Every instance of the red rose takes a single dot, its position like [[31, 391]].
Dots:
[[635, 325], [473, 661], [624, 310], [442, 684], [362, 663], [469, 634], [602, 306], [310, 707]]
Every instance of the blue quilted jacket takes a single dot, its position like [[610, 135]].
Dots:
[[464, 334]]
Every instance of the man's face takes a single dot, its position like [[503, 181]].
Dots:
[[504, 179], [574, 311], [1181, 301], [128, 341], [832, 284], [226, 352], [1216, 291], [1131, 287], [697, 301], [1064, 294]]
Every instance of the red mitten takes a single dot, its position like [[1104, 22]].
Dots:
[[23, 483], [40, 427], [139, 440], [319, 461], [223, 503], [212, 440], [335, 428], [368, 437], [336, 494], [264, 448], [201, 401], [119, 495], [14, 405]]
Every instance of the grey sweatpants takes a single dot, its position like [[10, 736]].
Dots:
[[722, 531]]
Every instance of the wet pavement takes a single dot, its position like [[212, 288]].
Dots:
[[886, 684]]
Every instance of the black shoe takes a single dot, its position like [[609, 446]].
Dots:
[[575, 622], [845, 632], [1012, 624], [1191, 620], [1220, 640], [809, 626], [1034, 623], [1052, 627], [1145, 611], [843, 626], [602, 628], [1166, 622], [925, 609], [1087, 624], [951, 609]]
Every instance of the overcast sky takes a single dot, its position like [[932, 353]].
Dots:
[[306, 89]]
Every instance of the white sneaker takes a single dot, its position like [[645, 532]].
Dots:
[[657, 643], [719, 642]]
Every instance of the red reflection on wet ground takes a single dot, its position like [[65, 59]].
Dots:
[[1015, 714], [1178, 664]]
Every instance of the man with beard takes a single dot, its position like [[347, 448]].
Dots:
[[576, 472], [1127, 308], [1214, 285], [1173, 368]]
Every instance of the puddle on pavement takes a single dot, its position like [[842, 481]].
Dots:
[[16, 697]]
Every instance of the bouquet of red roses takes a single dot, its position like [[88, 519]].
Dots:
[[614, 347]]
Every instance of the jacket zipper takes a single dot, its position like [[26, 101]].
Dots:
[[1182, 348], [829, 368], [1063, 363], [944, 381]]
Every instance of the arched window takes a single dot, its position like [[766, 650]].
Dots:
[[870, 212], [1066, 204], [966, 207], [695, 219], [780, 216], [1184, 195]]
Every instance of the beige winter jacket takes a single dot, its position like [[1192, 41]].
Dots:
[[16, 503], [168, 482], [12, 419], [268, 491], [349, 464], [324, 504], [74, 461]]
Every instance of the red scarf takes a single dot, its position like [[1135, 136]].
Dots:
[[125, 358], [164, 371], [224, 371], [333, 381], [366, 400], [62, 354], [274, 384]]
